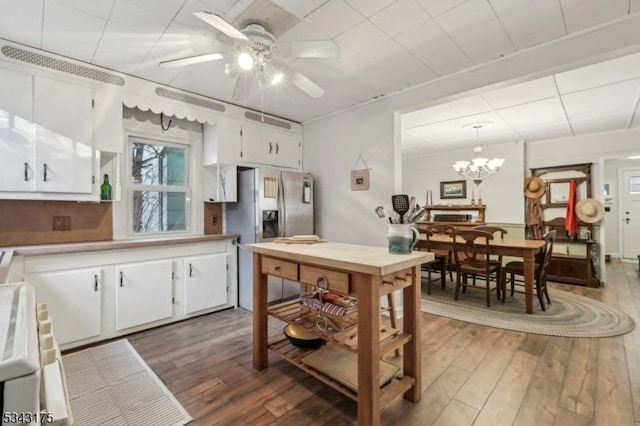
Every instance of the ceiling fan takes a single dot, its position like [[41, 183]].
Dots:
[[257, 55]]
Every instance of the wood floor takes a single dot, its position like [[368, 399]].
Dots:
[[471, 375]]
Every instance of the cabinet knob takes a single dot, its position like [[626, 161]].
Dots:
[[95, 283], [121, 280], [270, 147], [44, 178], [190, 269], [277, 147], [26, 172]]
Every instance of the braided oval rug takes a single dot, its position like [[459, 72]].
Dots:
[[568, 315]]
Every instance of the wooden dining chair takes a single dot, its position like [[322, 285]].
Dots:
[[438, 264], [470, 247], [541, 266], [497, 232], [443, 229]]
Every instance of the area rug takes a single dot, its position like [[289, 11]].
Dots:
[[112, 385], [568, 315]]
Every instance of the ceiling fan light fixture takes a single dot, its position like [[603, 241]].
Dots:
[[277, 78], [245, 61]]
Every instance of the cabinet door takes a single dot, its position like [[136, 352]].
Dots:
[[286, 151], [144, 293], [205, 282], [255, 145], [74, 302], [108, 132], [222, 143], [17, 134], [63, 136]]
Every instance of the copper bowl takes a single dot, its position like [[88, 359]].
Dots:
[[299, 336]]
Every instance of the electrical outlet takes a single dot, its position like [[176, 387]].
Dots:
[[62, 223], [215, 220]]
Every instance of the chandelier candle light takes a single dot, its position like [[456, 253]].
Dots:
[[479, 168]]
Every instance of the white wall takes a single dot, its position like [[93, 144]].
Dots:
[[504, 189], [333, 143]]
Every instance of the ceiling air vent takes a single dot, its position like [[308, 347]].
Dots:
[[188, 99], [60, 65], [267, 120]]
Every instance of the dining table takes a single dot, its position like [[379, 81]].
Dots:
[[513, 247]]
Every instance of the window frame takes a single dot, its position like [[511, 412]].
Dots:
[[131, 186]]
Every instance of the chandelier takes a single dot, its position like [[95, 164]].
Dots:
[[479, 168]]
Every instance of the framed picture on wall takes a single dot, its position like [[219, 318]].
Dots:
[[453, 189]]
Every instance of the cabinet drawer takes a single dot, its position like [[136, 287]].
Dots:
[[280, 268], [336, 281]]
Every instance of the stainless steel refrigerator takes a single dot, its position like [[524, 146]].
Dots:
[[271, 203]]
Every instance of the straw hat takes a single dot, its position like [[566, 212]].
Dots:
[[534, 187], [589, 210]]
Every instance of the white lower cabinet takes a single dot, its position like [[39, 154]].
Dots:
[[74, 300], [103, 294], [144, 293], [205, 283]]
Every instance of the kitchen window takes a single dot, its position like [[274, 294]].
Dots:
[[159, 186]]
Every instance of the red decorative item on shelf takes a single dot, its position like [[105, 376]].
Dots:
[[571, 220]]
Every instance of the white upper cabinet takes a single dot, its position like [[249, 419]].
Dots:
[[265, 146], [17, 131], [64, 152], [222, 142], [46, 142], [108, 131]]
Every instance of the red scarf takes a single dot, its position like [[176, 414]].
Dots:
[[571, 221]]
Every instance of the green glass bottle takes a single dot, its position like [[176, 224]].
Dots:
[[105, 189]]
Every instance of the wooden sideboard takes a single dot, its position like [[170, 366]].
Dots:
[[567, 268], [445, 209]]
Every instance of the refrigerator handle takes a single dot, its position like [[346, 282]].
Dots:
[[282, 223]]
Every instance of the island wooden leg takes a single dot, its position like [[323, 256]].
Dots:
[[528, 280], [259, 314], [368, 293], [412, 362]]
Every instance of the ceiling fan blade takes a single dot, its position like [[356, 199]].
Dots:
[[221, 24], [310, 49], [243, 85], [306, 85], [191, 60]]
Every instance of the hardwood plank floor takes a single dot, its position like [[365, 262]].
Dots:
[[472, 375]]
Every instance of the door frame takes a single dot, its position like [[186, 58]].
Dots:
[[620, 217]]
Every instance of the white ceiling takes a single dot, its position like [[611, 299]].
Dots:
[[598, 98], [386, 46]]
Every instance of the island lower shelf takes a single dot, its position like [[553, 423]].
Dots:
[[289, 312], [395, 387]]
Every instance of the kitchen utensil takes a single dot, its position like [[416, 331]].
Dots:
[[417, 215], [388, 212], [298, 336], [380, 212], [412, 206], [400, 203]]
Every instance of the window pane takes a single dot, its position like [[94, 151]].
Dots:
[[157, 164], [159, 211], [635, 185]]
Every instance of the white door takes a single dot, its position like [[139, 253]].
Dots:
[[74, 302], [205, 282], [63, 136], [629, 195], [17, 132], [144, 293], [286, 150]]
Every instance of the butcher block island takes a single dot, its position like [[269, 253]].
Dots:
[[365, 273]]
